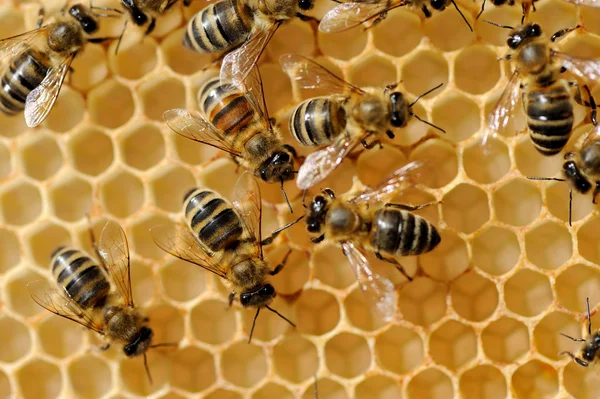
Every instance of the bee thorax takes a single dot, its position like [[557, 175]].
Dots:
[[533, 57], [247, 273], [65, 37], [343, 220], [371, 113]]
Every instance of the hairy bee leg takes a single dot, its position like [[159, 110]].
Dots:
[[591, 103], [316, 240], [269, 239], [395, 263], [151, 26], [563, 32], [575, 359], [407, 207], [41, 15], [280, 266]]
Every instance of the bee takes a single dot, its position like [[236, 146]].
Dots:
[[249, 24], [225, 239], [238, 122], [546, 96], [367, 221], [85, 294], [142, 10], [349, 14], [40, 61], [340, 121], [526, 5], [589, 351]]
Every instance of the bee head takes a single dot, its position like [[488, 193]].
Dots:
[[137, 16], [86, 20], [591, 346], [317, 212], [259, 297], [399, 109], [522, 34], [278, 168], [140, 343], [574, 176]]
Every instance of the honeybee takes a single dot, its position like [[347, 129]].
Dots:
[[250, 24], [142, 10], [343, 120], [526, 5], [546, 96], [40, 61], [349, 14], [85, 294], [589, 351], [368, 221], [226, 239]]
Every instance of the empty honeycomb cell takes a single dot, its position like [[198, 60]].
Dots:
[[587, 239], [110, 104], [70, 198], [18, 297], [505, 340], [448, 260], [474, 297], [577, 283], [347, 355], [581, 382], [272, 390], [400, 23], [528, 293], [517, 202], [295, 358], [373, 71], [91, 151], [222, 178], [486, 164], [12, 21], [476, 69], [535, 378], [277, 89], [317, 312], [360, 312], [134, 62], [44, 239], [243, 364], [167, 324], [453, 22], [181, 280], [122, 193], [89, 68], [533, 164], [483, 382], [437, 155], [60, 337], [269, 325], [296, 273], [5, 389], [143, 146], [180, 59], [547, 338], [160, 95], [465, 208], [331, 266], [549, 245], [47, 378], [41, 156], [377, 387], [376, 166], [557, 202], [142, 241], [423, 71], [355, 41], [142, 282], [423, 301], [222, 393], [429, 384], [16, 341], [496, 250], [192, 369], [328, 389], [90, 377], [67, 112], [546, 15], [591, 19], [453, 344], [213, 322], [10, 250], [132, 373], [5, 161], [510, 16], [445, 113], [169, 186], [295, 36]]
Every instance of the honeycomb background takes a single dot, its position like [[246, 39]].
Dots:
[[480, 320]]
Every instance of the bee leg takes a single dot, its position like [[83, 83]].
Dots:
[[596, 192], [368, 146], [410, 207], [231, 298], [426, 11], [563, 32], [307, 18], [41, 14], [480, 12], [274, 234], [390, 134], [395, 263], [316, 240], [280, 266], [151, 26], [591, 103], [105, 346], [575, 359]]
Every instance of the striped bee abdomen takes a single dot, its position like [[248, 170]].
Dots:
[[213, 221], [550, 118], [218, 27], [24, 73], [82, 278], [317, 122], [399, 232]]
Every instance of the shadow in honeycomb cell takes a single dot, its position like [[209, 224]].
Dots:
[[91, 151], [16, 341], [399, 350], [317, 312], [517, 202], [535, 378], [181, 280], [547, 338], [474, 297], [329, 43], [444, 115], [110, 104], [18, 297], [41, 157], [440, 156], [211, 321], [60, 338], [295, 358], [496, 250], [423, 71], [486, 164], [143, 146], [90, 67], [160, 95], [465, 208], [505, 340], [169, 186], [5, 389], [360, 312], [347, 355], [476, 69], [134, 62], [90, 377], [372, 71], [528, 293], [243, 364], [430, 384], [453, 344], [178, 58], [448, 260], [222, 393], [423, 301], [70, 198], [47, 377], [44, 239], [192, 369], [377, 387], [67, 112], [269, 326], [549, 245], [328, 389], [581, 382], [483, 382], [10, 250], [122, 194], [577, 283], [399, 23], [133, 374]]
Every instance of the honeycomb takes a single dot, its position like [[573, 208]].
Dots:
[[480, 320]]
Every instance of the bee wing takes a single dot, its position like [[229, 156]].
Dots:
[[238, 64], [13, 46], [40, 100], [379, 291], [587, 3], [248, 204], [253, 90], [501, 112], [178, 241], [586, 68], [114, 253], [54, 299], [311, 75], [196, 127], [400, 180], [593, 136], [348, 15]]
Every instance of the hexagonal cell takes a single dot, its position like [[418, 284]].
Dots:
[[213, 322], [122, 194], [591, 19], [289, 283], [192, 369], [517, 202], [110, 104], [16, 339], [17, 294], [453, 344], [462, 33], [557, 202], [400, 23], [375, 166], [423, 71], [142, 282], [71, 198], [440, 156], [41, 157], [67, 112], [134, 378], [546, 14], [182, 281], [486, 164], [167, 323], [141, 240], [577, 283], [295, 358], [244, 365], [160, 95], [465, 208], [448, 260], [587, 240], [327, 389], [528, 293], [483, 382], [329, 43], [45, 239], [91, 151], [496, 250], [377, 387], [484, 76], [361, 313], [549, 245], [581, 382], [474, 297], [142, 146], [135, 62], [90, 67], [505, 340], [317, 312], [331, 266], [5, 161], [223, 394], [535, 378], [347, 355], [269, 325], [423, 301], [20, 202], [90, 377], [444, 115], [10, 250], [48, 382], [169, 186], [547, 338], [295, 36], [60, 337], [13, 21], [430, 384], [372, 71], [178, 58]]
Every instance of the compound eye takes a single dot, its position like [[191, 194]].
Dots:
[[267, 290], [281, 158], [140, 18], [438, 4], [245, 299], [535, 30], [129, 350], [588, 355], [305, 4]]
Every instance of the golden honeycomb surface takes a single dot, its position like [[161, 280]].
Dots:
[[480, 320]]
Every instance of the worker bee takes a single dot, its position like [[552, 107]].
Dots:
[[368, 221], [546, 96], [85, 294], [238, 122], [349, 14], [40, 61], [340, 121], [250, 24], [589, 351], [225, 239]]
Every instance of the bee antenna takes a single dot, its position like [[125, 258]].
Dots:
[[587, 306], [427, 122], [462, 15], [575, 359], [147, 368], [287, 201], [121, 36], [498, 25], [278, 314], [316, 387], [572, 338], [304, 198], [424, 94], [570, 214], [253, 324]]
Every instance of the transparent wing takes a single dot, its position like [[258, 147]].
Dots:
[[593, 137], [587, 3], [55, 299], [253, 89], [586, 68], [114, 251], [348, 15], [13, 46], [401, 179], [238, 64], [310, 75], [500, 115], [178, 241], [247, 203], [379, 291], [40, 100], [195, 127]]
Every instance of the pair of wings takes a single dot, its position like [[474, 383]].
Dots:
[[500, 115], [40, 100], [347, 15], [180, 242], [113, 251], [195, 126]]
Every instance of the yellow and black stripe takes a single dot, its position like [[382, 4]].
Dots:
[[317, 121], [24, 73]]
